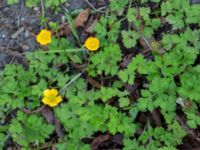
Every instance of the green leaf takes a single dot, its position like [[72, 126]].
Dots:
[[129, 38], [2, 140], [124, 102], [10, 2], [131, 14], [29, 129], [104, 62], [32, 3], [117, 5], [167, 148], [144, 12], [128, 75], [192, 124], [72, 26]]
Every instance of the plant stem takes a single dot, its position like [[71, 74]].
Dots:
[[42, 5], [55, 51], [70, 82]]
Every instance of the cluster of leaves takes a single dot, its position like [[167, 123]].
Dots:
[[34, 3], [170, 81], [26, 129]]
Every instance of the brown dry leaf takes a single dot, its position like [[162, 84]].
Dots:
[[126, 60], [91, 24], [48, 114], [99, 140], [79, 21], [142, 42], [118, 139], [93, 82]]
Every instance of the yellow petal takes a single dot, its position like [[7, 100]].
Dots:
[[49, 102], [54, 92], [53, 104], [92, 43], [47, 93], [58, 99], [44, 37], [45, 100]]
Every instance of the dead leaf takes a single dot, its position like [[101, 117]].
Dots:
[[99, 140], [91, 24], [144, 42], [48, 114], [79, 21], [93, 82], [156, 118], [118, 139], [126, 60]]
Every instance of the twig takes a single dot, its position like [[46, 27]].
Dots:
[[147, 43], [10, 52], [15, 54], [101, 9], [34, 111], [91, 5], [19, 16], [12, 60], [186, 128]]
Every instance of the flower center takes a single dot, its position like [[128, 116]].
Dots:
[[92, 44], [52, 98], [44, 37]]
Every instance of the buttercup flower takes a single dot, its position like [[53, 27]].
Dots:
[[51, 97], [92, 44], [44, 37]]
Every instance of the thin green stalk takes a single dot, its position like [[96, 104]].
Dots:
[[56, 51], [70, 82], [42, 6], [130, 2]]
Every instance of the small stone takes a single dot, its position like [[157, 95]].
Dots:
[[63, 19], [19, 31], [3, 36], [26, 34], [180, 101]]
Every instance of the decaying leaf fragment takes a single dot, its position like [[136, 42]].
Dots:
[[79, 21]]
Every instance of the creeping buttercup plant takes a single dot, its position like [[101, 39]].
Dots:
[[138, 78]]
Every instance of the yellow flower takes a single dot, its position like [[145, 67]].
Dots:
[[44, 37], [92, 44], [51, 97]]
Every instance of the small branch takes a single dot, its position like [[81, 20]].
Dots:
[[10, 52], [14, 54], [146, 43], [91, 5], [34, 111]]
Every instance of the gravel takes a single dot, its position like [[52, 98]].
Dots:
[[17, 23]]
